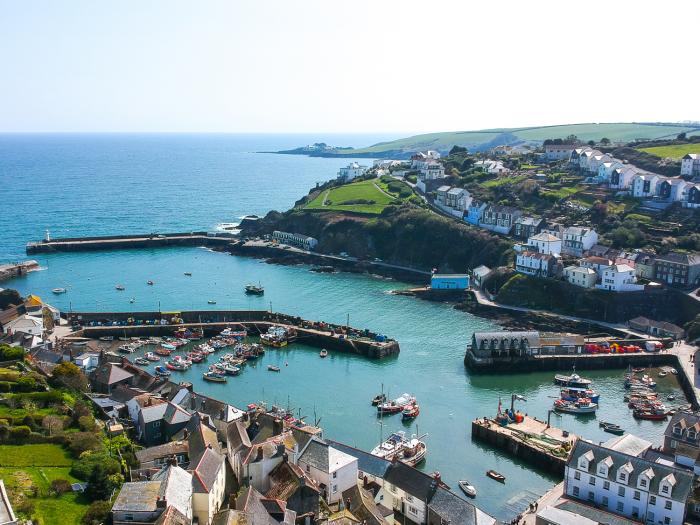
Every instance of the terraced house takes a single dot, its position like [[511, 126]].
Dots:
[[678, 269], [627, 485], [500, 219]]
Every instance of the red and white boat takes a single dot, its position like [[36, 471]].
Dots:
[[410, 412], [396, 405]]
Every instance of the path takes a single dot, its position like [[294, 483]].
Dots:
[[384, 191], [549, 498], [324, 202]]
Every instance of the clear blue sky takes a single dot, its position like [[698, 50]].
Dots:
[[380, 65]]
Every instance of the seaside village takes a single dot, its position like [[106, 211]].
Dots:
[[153, 450], [550, 249]]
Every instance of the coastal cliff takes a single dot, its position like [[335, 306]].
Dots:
[[404, 235]]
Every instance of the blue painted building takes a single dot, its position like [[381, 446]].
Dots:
[[449, 281], [475, 212]]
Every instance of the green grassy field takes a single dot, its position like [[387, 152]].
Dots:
[[340, 198], [617, 132], [494, 183], [32, 468], [676, 151], [560, 193]]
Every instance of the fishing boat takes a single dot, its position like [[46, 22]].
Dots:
[[252, 289], [214, 377], [149, 283], [397, 446], [231, 370], [273, 368], [141, 361], [495, 475], [59, 290], [379, 398], [410, 412], [107, 338], [176, 365], [638, 370], [188, 274], [120, 287], [573, 381], [580, 406], [163, 351], [397, 405], [161, 371], [467, 488], [151, 356], [126, 349], [211, 301], [650, 414], [572, 394], [323, 353], [612, 428]]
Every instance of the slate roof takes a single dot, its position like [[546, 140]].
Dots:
[[321, 455], [166, 450], [529, 221], [205, 470], [410, 480], [137, 496], [679, 258], [685, 420], [452, 508], [110, 373], [152, 413], [680, 491], [286, 478], [175, 414], [250, 502], [176, 488], [172, 516], [366, 462], [200, 438], [532, 337], [362, 505]]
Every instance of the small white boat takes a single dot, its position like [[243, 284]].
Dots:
[[211, 301], [467, 488], [107, 338], [120, 287], [59, 290]]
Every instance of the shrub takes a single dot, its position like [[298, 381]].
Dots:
[[80, 442], [84, 466], [5, 386], [8, 375], [11, 353], [69, 375], [98, 513], [20, 432], [101, 483], [87, 423], [60, 486]]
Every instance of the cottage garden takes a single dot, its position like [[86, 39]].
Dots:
[[57, 464]]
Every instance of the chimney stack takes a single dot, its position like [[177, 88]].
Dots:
[[161, 503]]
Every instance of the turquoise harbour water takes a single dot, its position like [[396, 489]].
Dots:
[[337, 389]]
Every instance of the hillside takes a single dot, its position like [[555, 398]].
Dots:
[[674, 151], [484, 139]]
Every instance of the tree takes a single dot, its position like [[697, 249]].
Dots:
[[60, 486], [87, 423], [53, 424], [591, 143], [11, 353], [69, 375], [80, 442], [101, 483], [9, 297], [571, 139], [458, 149], [605, 141], [98, 513]]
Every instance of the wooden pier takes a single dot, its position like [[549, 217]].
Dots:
[[119, 242], [532, 440], [322, 335]]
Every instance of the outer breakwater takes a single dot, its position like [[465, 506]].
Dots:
[[322, 335], [9, 271], [119, 242]]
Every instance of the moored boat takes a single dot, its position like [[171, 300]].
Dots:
[[252, 289], [612, 428], [397, 446], [573, 381], [162, 371], [410, 412], [214, 377], [149, 283], [273, 368], [142, 361], [323, 353], [397, 405], [379, 398], [467, 488], [120, 287], [59, 290], [151, 356], [580, 406], [572, 394], [495, 475], [107, 338]]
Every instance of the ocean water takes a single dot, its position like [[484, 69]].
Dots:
[[118, 184]]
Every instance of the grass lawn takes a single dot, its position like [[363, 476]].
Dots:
[[29, 468], [675, 151], [34, 455], [494, 183], [339, 199], [560, 193]]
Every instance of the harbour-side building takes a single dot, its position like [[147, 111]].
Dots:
[[535, 264], [678, 269], [577, 240], [619, 278], [627, 485], [526, 227], [295, 239], [443, 281], [581, 276], [500, 219]]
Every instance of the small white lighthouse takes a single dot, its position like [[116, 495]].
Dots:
[[47, 237]]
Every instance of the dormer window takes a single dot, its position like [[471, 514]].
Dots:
[[677, 430], [643, 483], [585, 460], [665, 488], [692, 434]]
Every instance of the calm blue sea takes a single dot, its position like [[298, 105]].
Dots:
[[105, 184]]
